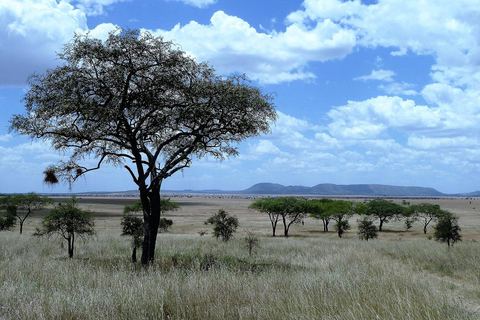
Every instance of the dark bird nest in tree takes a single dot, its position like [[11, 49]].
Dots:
[[50, 177]]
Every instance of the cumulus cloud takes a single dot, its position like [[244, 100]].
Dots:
[[439, 143], [198, 3], [264, 147], [399, 88], [231, 44], [30, 36], [380, 75], [94, 7], [371, 118], [449, 30], [5, 137]]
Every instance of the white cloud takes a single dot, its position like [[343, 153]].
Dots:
[[5, 137], [371, 118], [326, 141], [94, 7], [397, 88], [438, 143], [30, 35], [447, 30], [198, 3], [380, 75], [264, 147], [230, 44]]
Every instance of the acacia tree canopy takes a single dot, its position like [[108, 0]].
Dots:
[[138, 101], [22, 206]]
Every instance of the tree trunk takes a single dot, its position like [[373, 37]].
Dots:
[[325, 225], [151, 216], [274, 227], [285, 227], [381, 225], [21, 226], [71, 240], [134, 254], [425, 229]]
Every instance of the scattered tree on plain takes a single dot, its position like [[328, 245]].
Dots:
[[366, 229], [138, 101], [22, 206], [318, 208], [447, 228], [341, 211], [67, 220], [270, 206], [223, 225], [384, 211], [133, 225], [427, 212], [292, 210]]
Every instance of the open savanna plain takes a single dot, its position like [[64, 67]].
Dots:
[[310, 275]]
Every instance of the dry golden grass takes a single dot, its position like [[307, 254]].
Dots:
[[311, 275]]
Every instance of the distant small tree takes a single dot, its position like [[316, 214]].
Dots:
[[293, 211], [22, 206], [67, 220], [408, 223], [426, 212], [366, 229], [252, 242], [290, 209], [384, 211], [7, 221], [447, 229], [271, 207], [223, 225], [318, 209], [341, 211]]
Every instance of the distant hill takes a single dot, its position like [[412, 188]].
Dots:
[[326, 189], [334, 189]]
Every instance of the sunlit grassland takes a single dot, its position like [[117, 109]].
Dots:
[[311, 275], [302, 278]]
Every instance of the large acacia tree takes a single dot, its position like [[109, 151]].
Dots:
[[138, 101]]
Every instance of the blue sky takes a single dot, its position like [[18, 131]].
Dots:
[[383, 91]]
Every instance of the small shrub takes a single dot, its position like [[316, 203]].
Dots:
[[366, 229], [447, 229], [251, 242], [7, 221], [223, 225], [164, 224]]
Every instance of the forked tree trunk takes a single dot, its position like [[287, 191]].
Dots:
[[325, 225]]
